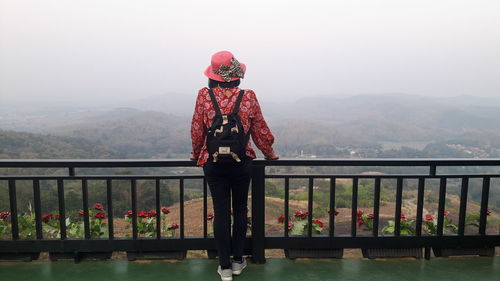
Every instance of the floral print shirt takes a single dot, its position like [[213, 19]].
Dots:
[[251, 118]]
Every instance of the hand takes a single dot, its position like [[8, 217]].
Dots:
[[273, 157]]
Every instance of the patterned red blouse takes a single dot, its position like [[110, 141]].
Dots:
[[251, 119]]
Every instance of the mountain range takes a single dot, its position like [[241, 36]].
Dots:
[[159, 126]]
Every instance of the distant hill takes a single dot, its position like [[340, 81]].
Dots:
[[135, 133], [360, 126], [29, 145]]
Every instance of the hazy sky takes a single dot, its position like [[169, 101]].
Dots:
[[102, 50]]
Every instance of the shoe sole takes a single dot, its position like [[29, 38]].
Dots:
[[238, 272], [224, 278]]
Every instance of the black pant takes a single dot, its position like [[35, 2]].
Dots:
[[228, 181]]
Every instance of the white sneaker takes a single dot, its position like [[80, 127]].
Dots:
[[238, 267], [225, 274]]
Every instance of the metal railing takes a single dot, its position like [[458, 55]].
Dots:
[[258, 241]]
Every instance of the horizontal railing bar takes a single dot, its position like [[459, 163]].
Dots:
[[92, 177], [275, 176], [271, 242], [272, 236], [110, 163], [361, 176], [102, 245], [381, 242]]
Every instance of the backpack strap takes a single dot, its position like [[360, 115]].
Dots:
[[214, 101], [238, 102]]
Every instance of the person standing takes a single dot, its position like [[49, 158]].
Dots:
[[225, 152]]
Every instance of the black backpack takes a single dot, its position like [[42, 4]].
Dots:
[[226, 139]]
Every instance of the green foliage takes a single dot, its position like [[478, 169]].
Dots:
[[4, 228], [406, 227], [26, 223], [273, 190]]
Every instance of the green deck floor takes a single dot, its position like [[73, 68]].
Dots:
[[276, 269]]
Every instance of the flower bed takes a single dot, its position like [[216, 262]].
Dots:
[[297, 226]]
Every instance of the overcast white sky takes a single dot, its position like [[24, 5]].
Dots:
[[102, 50]]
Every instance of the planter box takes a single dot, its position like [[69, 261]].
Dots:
[[212, 254], [446, 252], [19, 256], [392, 252], [178, 255], [314, 253], [78, 256]]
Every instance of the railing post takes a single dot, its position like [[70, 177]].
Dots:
[[258, 209]]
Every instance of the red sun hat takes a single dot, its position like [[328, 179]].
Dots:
[[224, 67]]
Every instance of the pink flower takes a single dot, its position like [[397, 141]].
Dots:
[[143, 214], [290, 225], [371, 216], [165, 210], [100, 215], [173, 226], [47, 217], [359, 213], [360, 222], [128, 214], [488, 212], [403, 217], [318, 222], [210, 216], [80, 213], [281, 218], [446, 213], [429, 218], [335, 212], [152, 213], [98, 206], [4, 215], [302, 215]]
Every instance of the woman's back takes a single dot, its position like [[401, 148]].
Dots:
[[249, 112]]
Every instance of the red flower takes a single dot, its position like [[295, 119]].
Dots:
[[371, 215], [360, 222], [4, 215], [173, 226], [318, 222], [47, 217], [80, 213], [446, 213], [142, 214], [152, 213], [231, 211], [298, 214], [403, 217], [100, 215], [165, 210], [290, 225], [281, 218], [335, 212], [488, 212], [302, 215], [359, 213], [128, 214], [210, 216], [98, 206], [429, 218]]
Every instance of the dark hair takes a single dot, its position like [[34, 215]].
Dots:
[[214, 83]]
